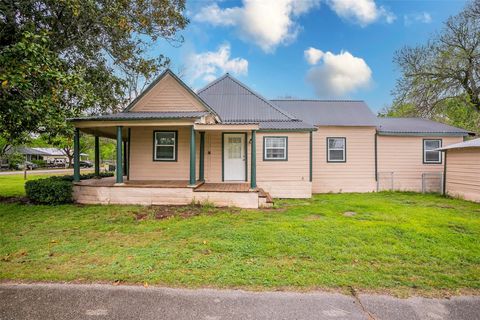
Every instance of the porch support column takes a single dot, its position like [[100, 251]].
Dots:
[[128, 153], [76, 155], [253, 164], [201, 174], [97, 156], [125, 158], [119, 173], [192, 157]]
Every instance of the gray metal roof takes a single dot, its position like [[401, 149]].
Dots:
[[285, 125], [475, 143], [144, 116], [416, 126], [329, 112], [235, 102]]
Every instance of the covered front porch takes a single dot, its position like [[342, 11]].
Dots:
[[169, 192], [198, 171]]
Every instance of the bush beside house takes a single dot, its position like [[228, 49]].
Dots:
[[55, 189]]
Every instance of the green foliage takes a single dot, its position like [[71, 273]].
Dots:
[[40, 163], [15, 159], [49, 191], [445, 68], [61, 59], [55, 189]]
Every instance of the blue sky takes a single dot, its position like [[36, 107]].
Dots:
[[263, 43]]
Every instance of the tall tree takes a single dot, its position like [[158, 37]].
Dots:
[[63, 58], [445, 69]]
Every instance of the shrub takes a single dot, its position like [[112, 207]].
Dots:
[[56, 189], [49, 191], [40, 163]]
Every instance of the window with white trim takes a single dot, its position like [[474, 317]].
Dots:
[[275, 148], [336, 149], [430, 155], [165, 146]]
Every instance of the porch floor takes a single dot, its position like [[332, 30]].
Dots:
[[200, 186], [224, 187]]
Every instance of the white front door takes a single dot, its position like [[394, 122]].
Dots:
[[234, 160]]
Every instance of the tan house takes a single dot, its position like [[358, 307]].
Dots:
[[462, 170], [228, 145]]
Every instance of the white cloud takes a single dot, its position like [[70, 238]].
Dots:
[[207, 66], [313, 55], [362, 12], [419, 17], [268, 23], [338, 74]]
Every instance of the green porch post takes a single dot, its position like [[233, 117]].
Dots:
[[128, 153], [192, 157], [119, 173], [76, 155], [125, 158], [97, 156], [253, 164], [201, 174]]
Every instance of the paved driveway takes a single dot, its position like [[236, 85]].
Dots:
[[67, 301]]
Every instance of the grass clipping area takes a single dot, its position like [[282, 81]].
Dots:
[[384, 242]]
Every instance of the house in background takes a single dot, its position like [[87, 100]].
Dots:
[[229, 145], [462, 170]]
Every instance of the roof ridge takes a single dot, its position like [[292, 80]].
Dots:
[[213, 83], [319, 100]]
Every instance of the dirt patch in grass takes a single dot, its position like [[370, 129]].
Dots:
[[11, 200]]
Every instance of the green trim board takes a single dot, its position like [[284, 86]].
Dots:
[[444, 186], [246, 153], [286, 148], [439, 152], [176, 146], [201, 161], [76, 155], [376, 156], [345, 150], [119, 169], [129, 144], [253, 170], [310, 157], [97, 156]]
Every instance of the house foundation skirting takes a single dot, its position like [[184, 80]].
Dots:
[[86, 194]]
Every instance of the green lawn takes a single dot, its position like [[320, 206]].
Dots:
[[13, 185], [396, 242]]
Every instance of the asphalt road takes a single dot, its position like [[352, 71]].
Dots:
[[44, 171], [72, 302]]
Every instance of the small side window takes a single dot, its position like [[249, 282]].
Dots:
[[336, 150], [165, 145], [430, 155], [275, 148]]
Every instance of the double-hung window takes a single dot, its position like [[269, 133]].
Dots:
[[165, 146], [430, 155], [336, 149], [275, 148]]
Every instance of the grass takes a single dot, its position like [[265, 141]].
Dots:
[[396, 242], [13, 185]]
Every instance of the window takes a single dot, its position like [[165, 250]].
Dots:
[[165, 146], [275, 148], [336, 149], [429, 153]]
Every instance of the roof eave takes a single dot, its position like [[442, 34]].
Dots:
[[423, 134]]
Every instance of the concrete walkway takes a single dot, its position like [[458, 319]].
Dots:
[[68, 301]]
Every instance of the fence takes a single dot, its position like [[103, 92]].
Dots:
[[424, 182]]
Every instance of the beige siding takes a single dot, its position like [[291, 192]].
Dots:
[[403, 155], [357, 174], [142, 166], [286, 179], [463, 173], [168, 96]]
